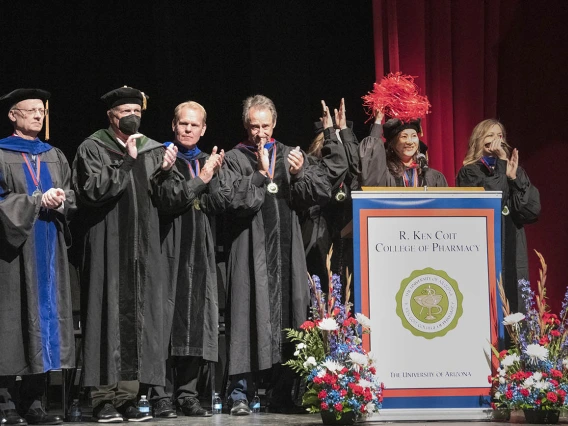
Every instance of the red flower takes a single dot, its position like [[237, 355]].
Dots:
[[335, 386], [544, 340], [503, 354], [538, 402], [556, 373], [318, 380], [338, 406], [555, 333], [509, 394], [553, 382], [525, 392], [336, 312], [372, 370], [552, 397], [493, 406], [490, 378], [342, 392], [324, 406], [322, 394], [307, 325]]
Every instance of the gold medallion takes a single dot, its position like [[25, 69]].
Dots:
[[505, 211], [340, 196], [272, 188], [196, 204]]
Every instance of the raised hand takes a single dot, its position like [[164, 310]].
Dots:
[[379, 115], [52, 198], [513, 164], [169, 157], [496, 149], [263, 161], [340, 118], [326, 116], [131, 144], [296, 160]]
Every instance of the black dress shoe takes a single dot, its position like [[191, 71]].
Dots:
[[13, 418], [191, 407], [130, 412], [37, 416], [240, 408], [164, 409], [106, 413]]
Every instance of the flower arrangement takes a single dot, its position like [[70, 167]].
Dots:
[[533, 373], [341, 376]]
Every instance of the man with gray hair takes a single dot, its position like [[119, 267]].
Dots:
[[266, 268]]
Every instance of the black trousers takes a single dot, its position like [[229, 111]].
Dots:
[[24, 394]]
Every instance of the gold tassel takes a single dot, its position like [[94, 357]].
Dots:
[[47, 120], [144, 101]]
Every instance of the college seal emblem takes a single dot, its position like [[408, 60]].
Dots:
[[429, 303]]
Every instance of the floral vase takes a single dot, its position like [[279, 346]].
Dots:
[[541, 417], [501, 415], [328, 418]]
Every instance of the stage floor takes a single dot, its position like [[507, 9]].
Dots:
[[287, 419]]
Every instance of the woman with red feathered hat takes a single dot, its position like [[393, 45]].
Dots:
[[401, 161]]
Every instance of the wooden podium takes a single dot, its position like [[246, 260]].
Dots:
[[426, 270]]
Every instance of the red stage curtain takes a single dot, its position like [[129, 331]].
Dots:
[[478, 59], [451, 46]]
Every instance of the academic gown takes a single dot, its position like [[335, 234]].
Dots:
[[322, 224], [36, 321], [374, 170], [522, 201], [128, 267], [266, 269], [196, 312]]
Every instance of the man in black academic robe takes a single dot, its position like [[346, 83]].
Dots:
[[127, 271], [36, 321], [196, 314], [266, 276]]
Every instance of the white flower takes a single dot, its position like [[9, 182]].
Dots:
[[565, 363], [296, 353], [357, 358], [363, 320], [502, 373], [536, 352], [321, 372], [502, 380], [498, 395], [372, 357], [537, 376], [513, 318], [311, 361], [300, 346], [328, 324], [510, 360], [364, 383], [529, 382], [370, 407], [332, 366]]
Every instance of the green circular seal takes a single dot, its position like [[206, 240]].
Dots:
[[429, 303]]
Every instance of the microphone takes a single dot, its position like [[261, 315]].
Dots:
[[422, 161]]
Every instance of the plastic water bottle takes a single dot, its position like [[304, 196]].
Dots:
[[144, 405], [217, 404], [75, 414], [256, 403]]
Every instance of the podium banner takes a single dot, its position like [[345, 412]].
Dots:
[[426, 270]]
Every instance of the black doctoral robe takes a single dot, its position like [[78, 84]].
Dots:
[[191, 204], [128, 268], [322, 224], [521, 200], [36, 321], [266, 270], [374, 170]]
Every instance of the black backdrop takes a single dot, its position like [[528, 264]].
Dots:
[[214, 52]]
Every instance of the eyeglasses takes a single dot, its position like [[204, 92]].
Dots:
[[33, 111]]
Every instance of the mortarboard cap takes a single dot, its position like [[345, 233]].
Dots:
[[124, 95], [19, 95]]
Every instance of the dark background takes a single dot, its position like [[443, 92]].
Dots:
[[214, 52]]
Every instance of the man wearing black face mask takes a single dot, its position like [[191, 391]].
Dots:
[[126, 267]]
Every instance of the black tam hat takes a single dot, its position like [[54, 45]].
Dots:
[[20, 95], [394, 126], [124, 95]]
